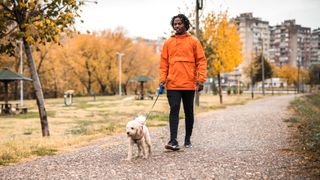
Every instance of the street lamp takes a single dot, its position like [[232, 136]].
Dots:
[[262, 64], [120, 71], [95, 2], [21, 72]]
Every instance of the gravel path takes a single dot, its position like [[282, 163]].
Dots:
[[241, 142]]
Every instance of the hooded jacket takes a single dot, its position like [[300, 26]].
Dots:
[[182, 63]]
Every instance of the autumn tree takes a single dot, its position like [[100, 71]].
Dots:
[[141, 59], [257, 65], [84, 56], [93, 60], [88, 63], [289, 73], [34, 21], [51, 68], [114, 42], [222, 46]]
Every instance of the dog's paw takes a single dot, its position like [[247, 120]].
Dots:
[[128, 159]]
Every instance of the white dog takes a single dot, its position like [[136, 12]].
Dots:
[[138, 133]]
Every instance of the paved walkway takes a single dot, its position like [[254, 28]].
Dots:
[[240, 142]]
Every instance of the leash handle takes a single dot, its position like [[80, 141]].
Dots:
[[161, 89]]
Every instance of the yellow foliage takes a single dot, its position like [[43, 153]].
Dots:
[[289, 73], [224, 40], [89, 63], [30, 39], [38, 24]]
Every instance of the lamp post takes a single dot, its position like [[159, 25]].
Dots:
[[21, 72], [95, 2], [262, 65], [120, 71]]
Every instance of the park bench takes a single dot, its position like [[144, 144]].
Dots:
[[21, 110], [145, 96], [7, 109]]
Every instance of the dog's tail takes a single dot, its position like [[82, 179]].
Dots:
[[141, 119]]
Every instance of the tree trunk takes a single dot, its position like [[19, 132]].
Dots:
[[38, 90], [125, 89], [141, 91], [102, 85], [220, 89], [89, 79], [55, 89]]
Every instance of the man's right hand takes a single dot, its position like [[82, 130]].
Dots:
[[161, 87], [199, 86], [162, 83]]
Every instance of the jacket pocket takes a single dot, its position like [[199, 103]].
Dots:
[[183, 59]]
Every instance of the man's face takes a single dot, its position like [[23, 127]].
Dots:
[[178, 26]]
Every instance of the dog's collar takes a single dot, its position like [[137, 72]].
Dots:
[[136, 140]]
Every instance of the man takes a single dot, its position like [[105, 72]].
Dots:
[[182, 72]]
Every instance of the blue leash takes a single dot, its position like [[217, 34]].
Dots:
[[161, 89]]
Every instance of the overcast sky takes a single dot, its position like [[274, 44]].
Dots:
[[151, 18]]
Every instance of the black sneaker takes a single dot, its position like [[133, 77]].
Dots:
[[187, 144], [172, 145]]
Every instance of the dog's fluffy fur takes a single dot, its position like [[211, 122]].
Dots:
[[138, 133]]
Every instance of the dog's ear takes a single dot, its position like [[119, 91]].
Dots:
[[141, 120], [140, 131]]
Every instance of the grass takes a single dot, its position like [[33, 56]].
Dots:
[[29, 115], [6, 158], [307, 119], [305, 123], [43, 151], [85, 121]]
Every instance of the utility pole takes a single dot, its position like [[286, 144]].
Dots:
[[199, 5], [251, 64], [120, 70], [298, 88], [251, 75]]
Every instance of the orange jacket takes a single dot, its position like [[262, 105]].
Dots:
[[182, 63]]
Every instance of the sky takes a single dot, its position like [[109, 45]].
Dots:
[[151, 18]]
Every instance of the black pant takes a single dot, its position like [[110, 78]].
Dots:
[[174, 98]]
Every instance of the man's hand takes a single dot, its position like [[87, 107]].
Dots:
[[161, 87], [162, 83], [199, 86]]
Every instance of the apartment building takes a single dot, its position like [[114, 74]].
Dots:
[[290, 44], [315, 47], [255, 36]]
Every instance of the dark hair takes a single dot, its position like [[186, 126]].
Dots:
[[184, 20]]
